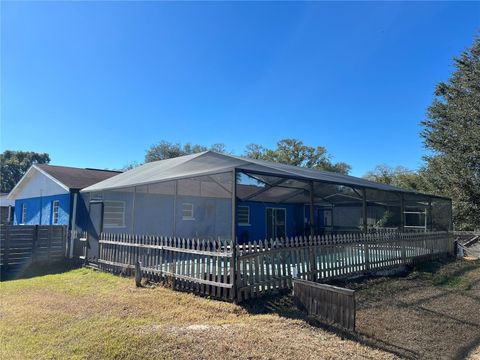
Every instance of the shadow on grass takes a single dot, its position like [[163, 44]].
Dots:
[[284, 305], [38, 269], [465, 350], [446, 275], [447, 272]]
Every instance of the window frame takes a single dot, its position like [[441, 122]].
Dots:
[[192, 216], [422, 219], [23, 214], [111, 226], [274, 224], [248, 215], [55, 203]]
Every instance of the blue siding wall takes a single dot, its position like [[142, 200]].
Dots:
[[83, 218], [257, 230], [39, 210]]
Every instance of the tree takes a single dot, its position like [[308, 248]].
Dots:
[[399, 177], [295, 152], [130, 166], [167, 150], [452, 133], [14, 164]]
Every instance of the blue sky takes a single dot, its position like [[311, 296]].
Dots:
[[95, 84]]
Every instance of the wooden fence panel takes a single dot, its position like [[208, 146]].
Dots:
[[201, 266], [329, 303], [270, 265], [208, 267], [21, 245]]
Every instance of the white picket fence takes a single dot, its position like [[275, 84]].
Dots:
[[270, 265], [200, 266], [216, 268]]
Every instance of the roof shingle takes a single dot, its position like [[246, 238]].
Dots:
[[77, 178]]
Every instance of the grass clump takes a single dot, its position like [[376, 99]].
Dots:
[[449, 274], [84, 314]]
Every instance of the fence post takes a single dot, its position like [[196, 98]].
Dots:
[[235, 272], [65, 238], [159, 240], [138, 274], [49, 246], [312, 259], [35, 244], [6, 248], [173, 259], [367, 256], [85, 261]]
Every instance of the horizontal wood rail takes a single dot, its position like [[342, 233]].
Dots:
[[270, 265], [21, 245], [198, 265], [208, 266], [170, 248]]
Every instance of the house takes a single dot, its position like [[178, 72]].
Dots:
[[7, 207], [47, 194], [217, 196]]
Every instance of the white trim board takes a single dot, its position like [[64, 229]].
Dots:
[[35, 183]]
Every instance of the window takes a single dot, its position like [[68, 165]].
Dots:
[[23, 219], [187, 211], [114, 214], [55, 212], [276, 223], [416, 219], [327, 217], [243, 215]]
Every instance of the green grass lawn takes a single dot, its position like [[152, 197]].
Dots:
[[84, 314]]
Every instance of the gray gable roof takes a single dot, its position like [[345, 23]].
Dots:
[[76, 178], [210, 162]]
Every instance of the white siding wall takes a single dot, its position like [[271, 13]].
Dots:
[[39, 185]]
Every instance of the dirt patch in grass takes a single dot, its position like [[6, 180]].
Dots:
[[83, 314], [431, 313]]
